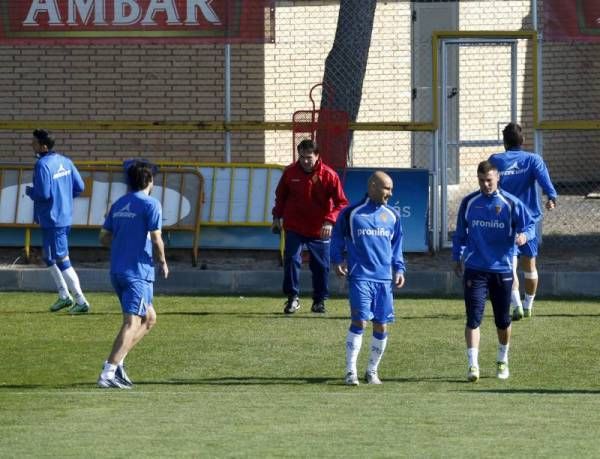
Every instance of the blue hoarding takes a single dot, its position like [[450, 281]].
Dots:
[[410, 197]]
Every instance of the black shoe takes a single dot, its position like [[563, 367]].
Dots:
[[291, 305], [318, 307]]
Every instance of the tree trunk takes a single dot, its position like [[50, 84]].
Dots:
[[346, 63]]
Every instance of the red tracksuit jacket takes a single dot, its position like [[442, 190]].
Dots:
[[306, 200]]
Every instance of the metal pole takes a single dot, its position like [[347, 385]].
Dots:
[[227, 101], [435, 194], [538, 139], [443, 152], [513, 82]]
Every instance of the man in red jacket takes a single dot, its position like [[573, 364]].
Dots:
[[308, 199]]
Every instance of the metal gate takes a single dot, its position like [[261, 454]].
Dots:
[[486, 95]]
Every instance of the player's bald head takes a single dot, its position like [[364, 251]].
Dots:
[[380, 187], [379, 177]]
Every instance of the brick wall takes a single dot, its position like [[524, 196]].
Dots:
[[271, 81]]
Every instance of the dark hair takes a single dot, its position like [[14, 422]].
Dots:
[[44, 137], [307, 144], [485, 166], [139, 174], [512, 135]]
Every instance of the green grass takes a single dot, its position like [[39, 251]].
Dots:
[[234, 377]]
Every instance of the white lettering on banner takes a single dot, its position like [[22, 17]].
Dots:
[[83, 10], [126, 13], [495, 224], [161, 5], [404, 211], [121, 17]]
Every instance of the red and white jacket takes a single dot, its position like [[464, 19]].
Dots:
[[306, 200]]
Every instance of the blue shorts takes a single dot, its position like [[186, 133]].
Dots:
[[135, 295], [371, 301], [529, 249], [477, 285], [55, 243]]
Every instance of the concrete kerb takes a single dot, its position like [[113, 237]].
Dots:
[[207, 282]]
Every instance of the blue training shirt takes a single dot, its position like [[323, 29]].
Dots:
[[56, 181], [486, 228], [130, 220], [519, 171], [371, 236]]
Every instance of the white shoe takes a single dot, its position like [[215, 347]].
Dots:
[[109, 383], [351, 379], [473, 374], [502, 370], [371, 377]]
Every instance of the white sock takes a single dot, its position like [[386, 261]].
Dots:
[[502, 355], [515, 298], [108, 371], [473, 357], [377, 350], [353, 344], [73, 280], [528, 304], [59, 280]]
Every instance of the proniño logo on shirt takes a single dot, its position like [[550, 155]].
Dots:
[[379, 232], [125, 212], [492, 224], [61, 172]]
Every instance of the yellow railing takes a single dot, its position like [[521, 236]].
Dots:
[[180, 192]]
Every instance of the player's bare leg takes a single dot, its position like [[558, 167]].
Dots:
[[530, 273]]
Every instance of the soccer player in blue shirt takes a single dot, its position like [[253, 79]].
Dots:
[[366, 247], [131, 229], [56, 181], [520, 173], [489, 224]]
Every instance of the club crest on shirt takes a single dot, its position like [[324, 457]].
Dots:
[[383, 217], [498, 209], [315, 178]]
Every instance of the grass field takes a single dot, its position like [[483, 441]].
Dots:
[[234, 377]]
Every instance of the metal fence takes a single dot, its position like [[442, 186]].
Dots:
[[412, 100]]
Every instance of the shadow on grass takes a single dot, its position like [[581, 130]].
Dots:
[[291, 380], [281, 315], [536, 391], [234, 381]]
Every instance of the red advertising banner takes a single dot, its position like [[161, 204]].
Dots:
[[136, 21], [571, 20]]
